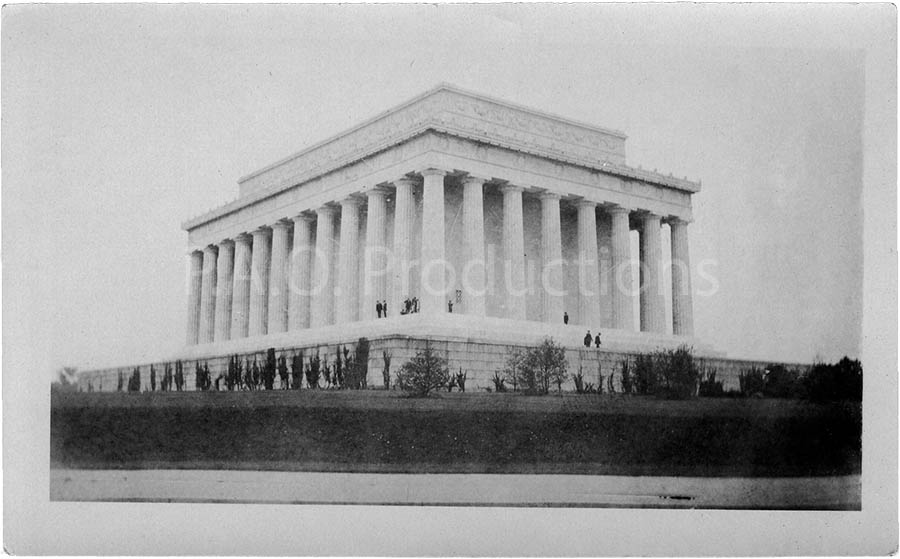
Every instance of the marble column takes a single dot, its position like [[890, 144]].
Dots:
[[195, 286], [208, 296], [589, 269], [259, 281], [322, 293], [240, 297], [279, 276], [652, 310], [514, 251], [551, 252], [403, 220], [375, 261], [622, 282], [224, 289], [434, 291], [682, 304], [301, 263], [473, 273], [347, 297]]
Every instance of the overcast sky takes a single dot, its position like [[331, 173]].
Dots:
[[119, 122]]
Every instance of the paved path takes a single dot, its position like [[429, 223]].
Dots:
[[230, 486]]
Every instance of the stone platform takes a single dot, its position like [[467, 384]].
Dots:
[[478, 346]]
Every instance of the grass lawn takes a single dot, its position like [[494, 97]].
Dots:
[[378, 431]]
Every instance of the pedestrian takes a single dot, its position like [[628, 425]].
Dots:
[[378, 308], [450, 306], [565, 318], [384, 308], [587, 339], [597, 340]]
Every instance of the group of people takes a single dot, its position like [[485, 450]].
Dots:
[[381, 309], [410, 306], [587, 339]]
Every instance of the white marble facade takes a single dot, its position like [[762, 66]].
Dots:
[[504, 211]]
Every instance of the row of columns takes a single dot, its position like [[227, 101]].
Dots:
[[249, 286]]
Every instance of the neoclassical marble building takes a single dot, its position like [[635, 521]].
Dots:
[[505, 223]]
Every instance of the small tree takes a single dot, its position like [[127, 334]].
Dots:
[[313, 371], [297, 371], [539, 367], [283, 373], [179, 375], [386, 372], [423, 373], [121, 382], [152, 378]]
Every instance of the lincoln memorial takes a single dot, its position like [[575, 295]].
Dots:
[[469, 223]]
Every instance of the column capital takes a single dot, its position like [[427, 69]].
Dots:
[[225, 242], [585, 203], [282, 224], [617, 210], [243, 237], [194, 252], [548, 195], [378, 190], [474, 179], [352, 200], [432, 171], [675, 220], [304, 216], [511, 188], [210, 249], [649, 216], [404, 181], [326, 211], [261, 231]]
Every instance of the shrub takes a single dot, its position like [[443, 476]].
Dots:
[[356, 366], [709, 386], [179, 375], [499, 382], [752, 381], [313, 371], [841, 381], [578, 379], [645, 379], [676, 373], [283, 374], [423, 373], [627, 378], [540, 366], [782, 382], [461, 380], [152, 378], [386, 371], [297, 371]]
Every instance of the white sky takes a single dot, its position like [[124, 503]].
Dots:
[[121, 121]]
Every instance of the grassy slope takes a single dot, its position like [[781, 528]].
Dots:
[[380, 431]]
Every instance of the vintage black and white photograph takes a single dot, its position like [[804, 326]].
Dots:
[[504, 260]]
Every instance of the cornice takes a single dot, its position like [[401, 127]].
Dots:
[[449, 110]]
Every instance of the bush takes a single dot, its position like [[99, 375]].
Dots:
[[313, 371], [627, 378], [645, 379], [537, 368], [709, 386], [296, 371], [425, 372], [841, 381], [676, 373], [752, 381], [782, 382], [386, 371], [499, 383]]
